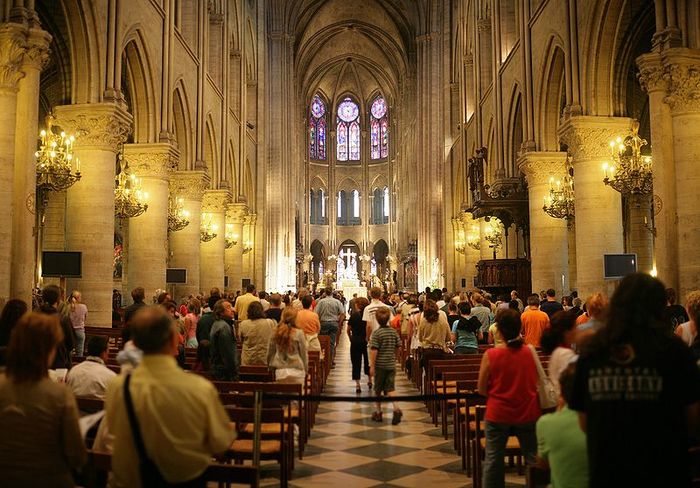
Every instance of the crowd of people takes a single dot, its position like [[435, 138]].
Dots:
[[626, 371]]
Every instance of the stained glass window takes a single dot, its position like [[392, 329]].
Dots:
[[379, 129], [355, 204], [386, 202], [348, 131], [317, 129]]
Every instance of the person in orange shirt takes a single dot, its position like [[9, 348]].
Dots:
[[534, 321], [309, 322]]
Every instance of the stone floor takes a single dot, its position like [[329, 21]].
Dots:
[[348, 449]]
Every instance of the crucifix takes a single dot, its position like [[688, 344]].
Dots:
[[348, 257]]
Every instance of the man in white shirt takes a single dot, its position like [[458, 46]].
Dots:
[[368, 316], [91, 377], [179, 415]]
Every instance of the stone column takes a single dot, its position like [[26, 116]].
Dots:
[[185, 243], [99, 129], [598, 207], [639, 237], [12, 51], [148, 233], [211, 258], [249, 256], [235, 217], [24, 192], [683, 77], [548, 236], [665, 243]]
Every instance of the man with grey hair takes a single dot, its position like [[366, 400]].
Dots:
[[222, 345], [167, 424], [331, 313]]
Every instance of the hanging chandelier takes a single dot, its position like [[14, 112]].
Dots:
[[54, 160], [231, 238], [559, 204], [178, 217], [630, 173], [208, 229], [474, 239], [129, 199]]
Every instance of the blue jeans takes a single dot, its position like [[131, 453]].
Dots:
[[330, 329], [79, 341], [496, 438]]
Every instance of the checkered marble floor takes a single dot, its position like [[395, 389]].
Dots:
[[348, 449]]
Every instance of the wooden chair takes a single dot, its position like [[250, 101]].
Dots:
[[479, 446], [274, 447], [536, 476], [90, 405], [256, 374], [448, 385], [464, 416]]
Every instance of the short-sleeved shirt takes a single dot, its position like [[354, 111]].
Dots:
[[562, 443], [371, 310], [496, 334], [385, 340], [308, 322], [329, 309], [635, 403], [534, 323], [484, 315], [242, 304], [465, 335]]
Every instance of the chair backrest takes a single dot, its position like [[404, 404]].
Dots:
[[537, 476], [90, 405], [244, 415]]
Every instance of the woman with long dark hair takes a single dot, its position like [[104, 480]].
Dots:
[[508, 379], [637, 392], [558, 341], [357, 331]]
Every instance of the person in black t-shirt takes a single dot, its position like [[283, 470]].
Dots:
[[637, 391], [674, 314], [551, 306], [357, 331]]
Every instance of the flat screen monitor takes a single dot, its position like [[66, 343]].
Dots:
[[176, 276], [619, 265], [61, 264]]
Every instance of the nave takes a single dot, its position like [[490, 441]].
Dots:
[[348, 449]]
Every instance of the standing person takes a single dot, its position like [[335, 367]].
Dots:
[[371, 309], [635, 382], [51, 296], [263, 296], [688, 331], [240, 309], [255, 334], [331, 313], [534, 321], [481, 311], [222, 343], [138, 295], [674, 313], [558, 341], [77, 312], [41, 440], [551, 306], [275, 310], [384, 343], [191, 320], [307, 320], [466, 331], [357, 331], [514, 296], [13, 310], [287, 352], [508, 379], [206, 320], [91, 377], [179, 445], [433, 333], [594, 318]]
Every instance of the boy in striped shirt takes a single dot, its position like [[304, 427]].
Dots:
[[384, 343]]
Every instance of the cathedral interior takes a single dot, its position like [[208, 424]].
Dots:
[[402, 143]]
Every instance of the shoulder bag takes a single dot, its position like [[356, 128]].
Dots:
[[546, 392]]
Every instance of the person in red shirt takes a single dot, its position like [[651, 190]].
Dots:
[[534, 321], [508, 379]]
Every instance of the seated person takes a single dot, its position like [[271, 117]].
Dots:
[[91, 377]]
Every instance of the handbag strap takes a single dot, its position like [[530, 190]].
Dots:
[[540, 371], [133, 421]]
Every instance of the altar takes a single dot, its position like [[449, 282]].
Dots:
[[347, 277]]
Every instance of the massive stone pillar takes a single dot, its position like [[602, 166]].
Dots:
[[598, 207], [99, 129], [639, 231], [681, 72], [185, 243], [249, 250], [12, 50], [211, 258], [148, 233], [548, 236], [235, 217]]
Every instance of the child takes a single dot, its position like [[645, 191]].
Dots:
[[384, 343]]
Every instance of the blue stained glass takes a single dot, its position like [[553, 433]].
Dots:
[[312, 139], [354, 141], [318, 108], [342, 149], [322, 139], [348, 110], [385, 138], [374, 140], [378, 108]]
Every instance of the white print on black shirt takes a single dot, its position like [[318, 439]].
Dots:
[[631, 384]]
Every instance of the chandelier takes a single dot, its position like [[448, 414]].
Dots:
[[129, 199], [630, 173], [231, 238], [54, 160], [559, 204], [178, 217], [208, 229], [474, 239]]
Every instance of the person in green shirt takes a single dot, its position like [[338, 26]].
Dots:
[[561, 444]]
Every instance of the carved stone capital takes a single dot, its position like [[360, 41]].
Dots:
[[236, 212], [152, 160], [250, 219], [95, 125], [651, 72], [468, 60], [12, 50], [682, 73], [483, 25], [588, 137], [540, 166], [189, 185], [37, 54], [215, 201]]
